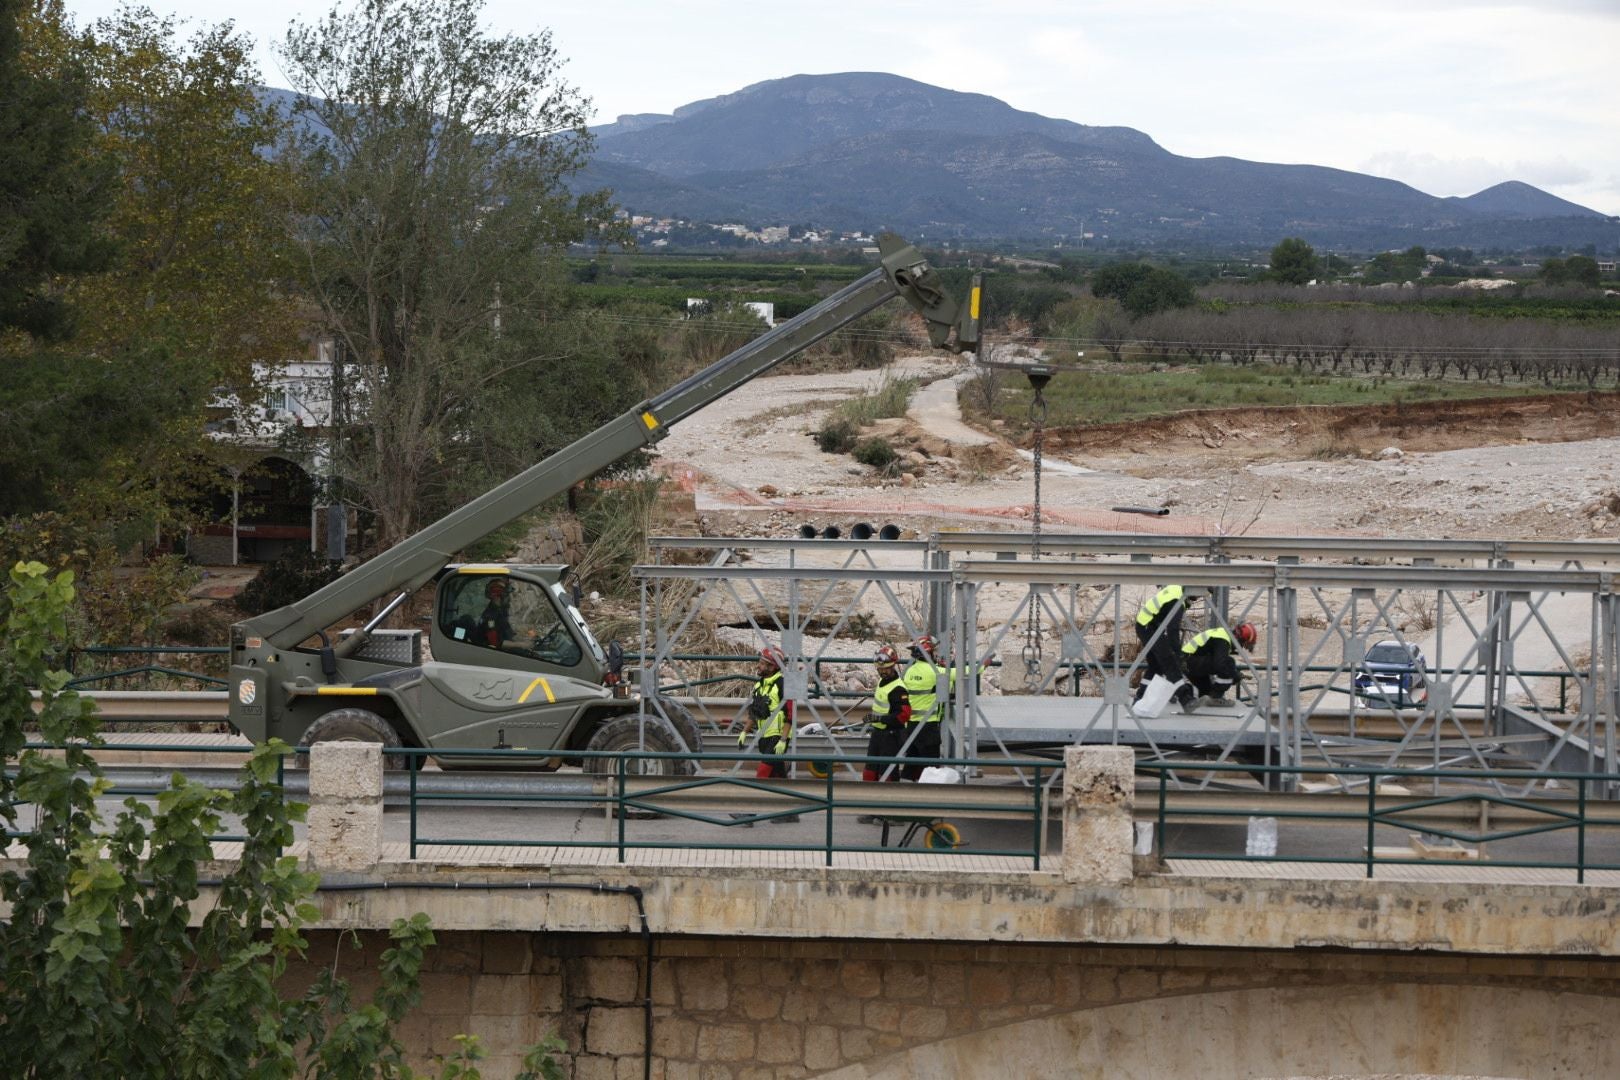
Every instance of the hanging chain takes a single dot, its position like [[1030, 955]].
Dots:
[[1032, 632]]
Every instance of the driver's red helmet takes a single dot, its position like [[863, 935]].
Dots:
[[496, 588]]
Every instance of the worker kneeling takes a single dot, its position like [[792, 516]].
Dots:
[[1210, 660]]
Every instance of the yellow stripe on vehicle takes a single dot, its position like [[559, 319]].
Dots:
[[346, 691], [973, 304], [483, 569], [650, 420], [543, 685]]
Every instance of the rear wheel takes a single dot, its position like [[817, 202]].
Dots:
[[942, 835], [352, 725]]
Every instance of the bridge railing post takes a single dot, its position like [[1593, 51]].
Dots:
[[345, 806], [1099, 795]]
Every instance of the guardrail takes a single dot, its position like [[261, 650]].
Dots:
[[702, 798], [148, 790], [817, 685], [1429, 814]]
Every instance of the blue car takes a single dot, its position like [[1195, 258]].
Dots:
[[1392, 675]]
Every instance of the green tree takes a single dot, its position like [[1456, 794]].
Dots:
[[197, 292], [1575, 270], [52, 193], [1142, 289], [434, 158], [99, 973], [1294, 262], [1114, 281]]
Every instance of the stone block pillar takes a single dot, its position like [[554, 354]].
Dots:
[[1099, 793], [345, 806]]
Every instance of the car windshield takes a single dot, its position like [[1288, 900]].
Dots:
[[1389, 653]]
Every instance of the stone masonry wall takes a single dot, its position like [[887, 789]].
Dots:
[[762, 1009]]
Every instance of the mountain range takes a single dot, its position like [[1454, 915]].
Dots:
[[866, 150]]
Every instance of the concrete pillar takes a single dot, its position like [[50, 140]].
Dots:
[[1099, 792], [345, 806]]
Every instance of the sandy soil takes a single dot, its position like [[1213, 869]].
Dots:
[[1529, 468]]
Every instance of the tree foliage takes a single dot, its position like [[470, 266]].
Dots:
[[433, 157], [99, 973], [1142, 289], [1575, 270], [1294, 262], [195, 217], [1396, 266], [51, 190]]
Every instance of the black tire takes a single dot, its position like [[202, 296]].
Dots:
[[685, 725], [623, 734], [352, 725]]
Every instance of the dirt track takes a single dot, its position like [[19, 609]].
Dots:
[[1523, 467]]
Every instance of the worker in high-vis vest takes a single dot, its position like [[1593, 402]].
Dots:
[[1158, 628], [1211, 662], [921, 682], [770, 714], [891, 715]]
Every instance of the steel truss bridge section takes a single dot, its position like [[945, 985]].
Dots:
[[810, 598], [1520, 643], [1357, 550]]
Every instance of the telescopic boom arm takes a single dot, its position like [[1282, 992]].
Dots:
[[415, 560]]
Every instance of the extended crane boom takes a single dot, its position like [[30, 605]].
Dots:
[[512, 662], [416, 560]]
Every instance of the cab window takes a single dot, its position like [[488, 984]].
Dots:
[[498, 611]]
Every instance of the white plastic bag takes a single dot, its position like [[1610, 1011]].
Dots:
[[939, 774], [1156, 697]]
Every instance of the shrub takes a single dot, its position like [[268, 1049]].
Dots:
[[287, 578], [837, 436], [877, 453], [891, 398]]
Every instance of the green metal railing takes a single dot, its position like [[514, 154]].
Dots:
[[79, 682], [925, 807], [1565, 814]]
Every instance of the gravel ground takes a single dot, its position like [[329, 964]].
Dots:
[[754, 453]]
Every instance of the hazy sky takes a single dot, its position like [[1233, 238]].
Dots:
[[1450, 96]]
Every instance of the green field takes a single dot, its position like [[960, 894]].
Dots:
[[1077, 398]]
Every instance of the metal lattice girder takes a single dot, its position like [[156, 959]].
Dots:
[[795, 598], [1588, 554], [1482, 703]]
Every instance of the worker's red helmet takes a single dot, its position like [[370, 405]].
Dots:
[[1245, 634], [773, 656], [887, 656], [924, 647], [495, 588]]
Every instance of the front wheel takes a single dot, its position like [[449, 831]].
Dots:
[[352, 725], [685, 725], [627, 734]]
